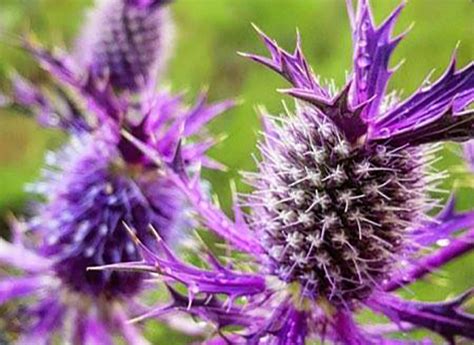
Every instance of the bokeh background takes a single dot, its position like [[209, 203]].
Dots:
[[210, 32]]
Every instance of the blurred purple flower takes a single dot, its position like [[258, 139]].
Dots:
[[127, 41], [338, 217], [99, 184]]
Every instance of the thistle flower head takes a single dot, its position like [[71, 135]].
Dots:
[[127, 42], [100, 183], [333, 216], [89, 198], [337, 219]]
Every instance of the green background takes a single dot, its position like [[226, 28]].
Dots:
[[209, 34]]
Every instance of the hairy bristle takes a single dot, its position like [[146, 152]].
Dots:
[[333, 216]]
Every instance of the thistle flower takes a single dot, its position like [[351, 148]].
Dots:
[[338, 217], [94, 188], [127, 41]]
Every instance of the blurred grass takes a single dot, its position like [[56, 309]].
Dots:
[[209, 34]]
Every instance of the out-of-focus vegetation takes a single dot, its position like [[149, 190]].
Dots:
[[209, 34]]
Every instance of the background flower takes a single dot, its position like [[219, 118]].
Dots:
[[98, 184]]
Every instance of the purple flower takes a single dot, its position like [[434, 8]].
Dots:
[[134, 46], [98, 187], [338, 217]]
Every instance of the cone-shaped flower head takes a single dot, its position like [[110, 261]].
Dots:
[[127, 41], [99, 188], [338, 216], [333, 215]]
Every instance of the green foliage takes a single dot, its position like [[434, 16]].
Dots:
[[209, 34]]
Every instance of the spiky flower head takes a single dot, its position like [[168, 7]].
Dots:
[[338, 217], [99, 188], [332, 214], [90, 196], [127, 42]]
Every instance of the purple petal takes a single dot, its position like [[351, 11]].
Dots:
[[219, 281], [444, 318], [446, 223], [97, 333], [168, 124], [211, 309], [130, 333], [373, 48], [349, 120], [100, 99], [27, 95], [292, 67], [236, 233], [213, 164], [347, 332], [50, 317], [197, 150], [208, 308], [285, 326], [202, 113], [432, 113], [11, 288], [45, 108], [445, 127], [430, 100], [160, 108], [429, 263], [19, 257], [59, 64], [294, 330]]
